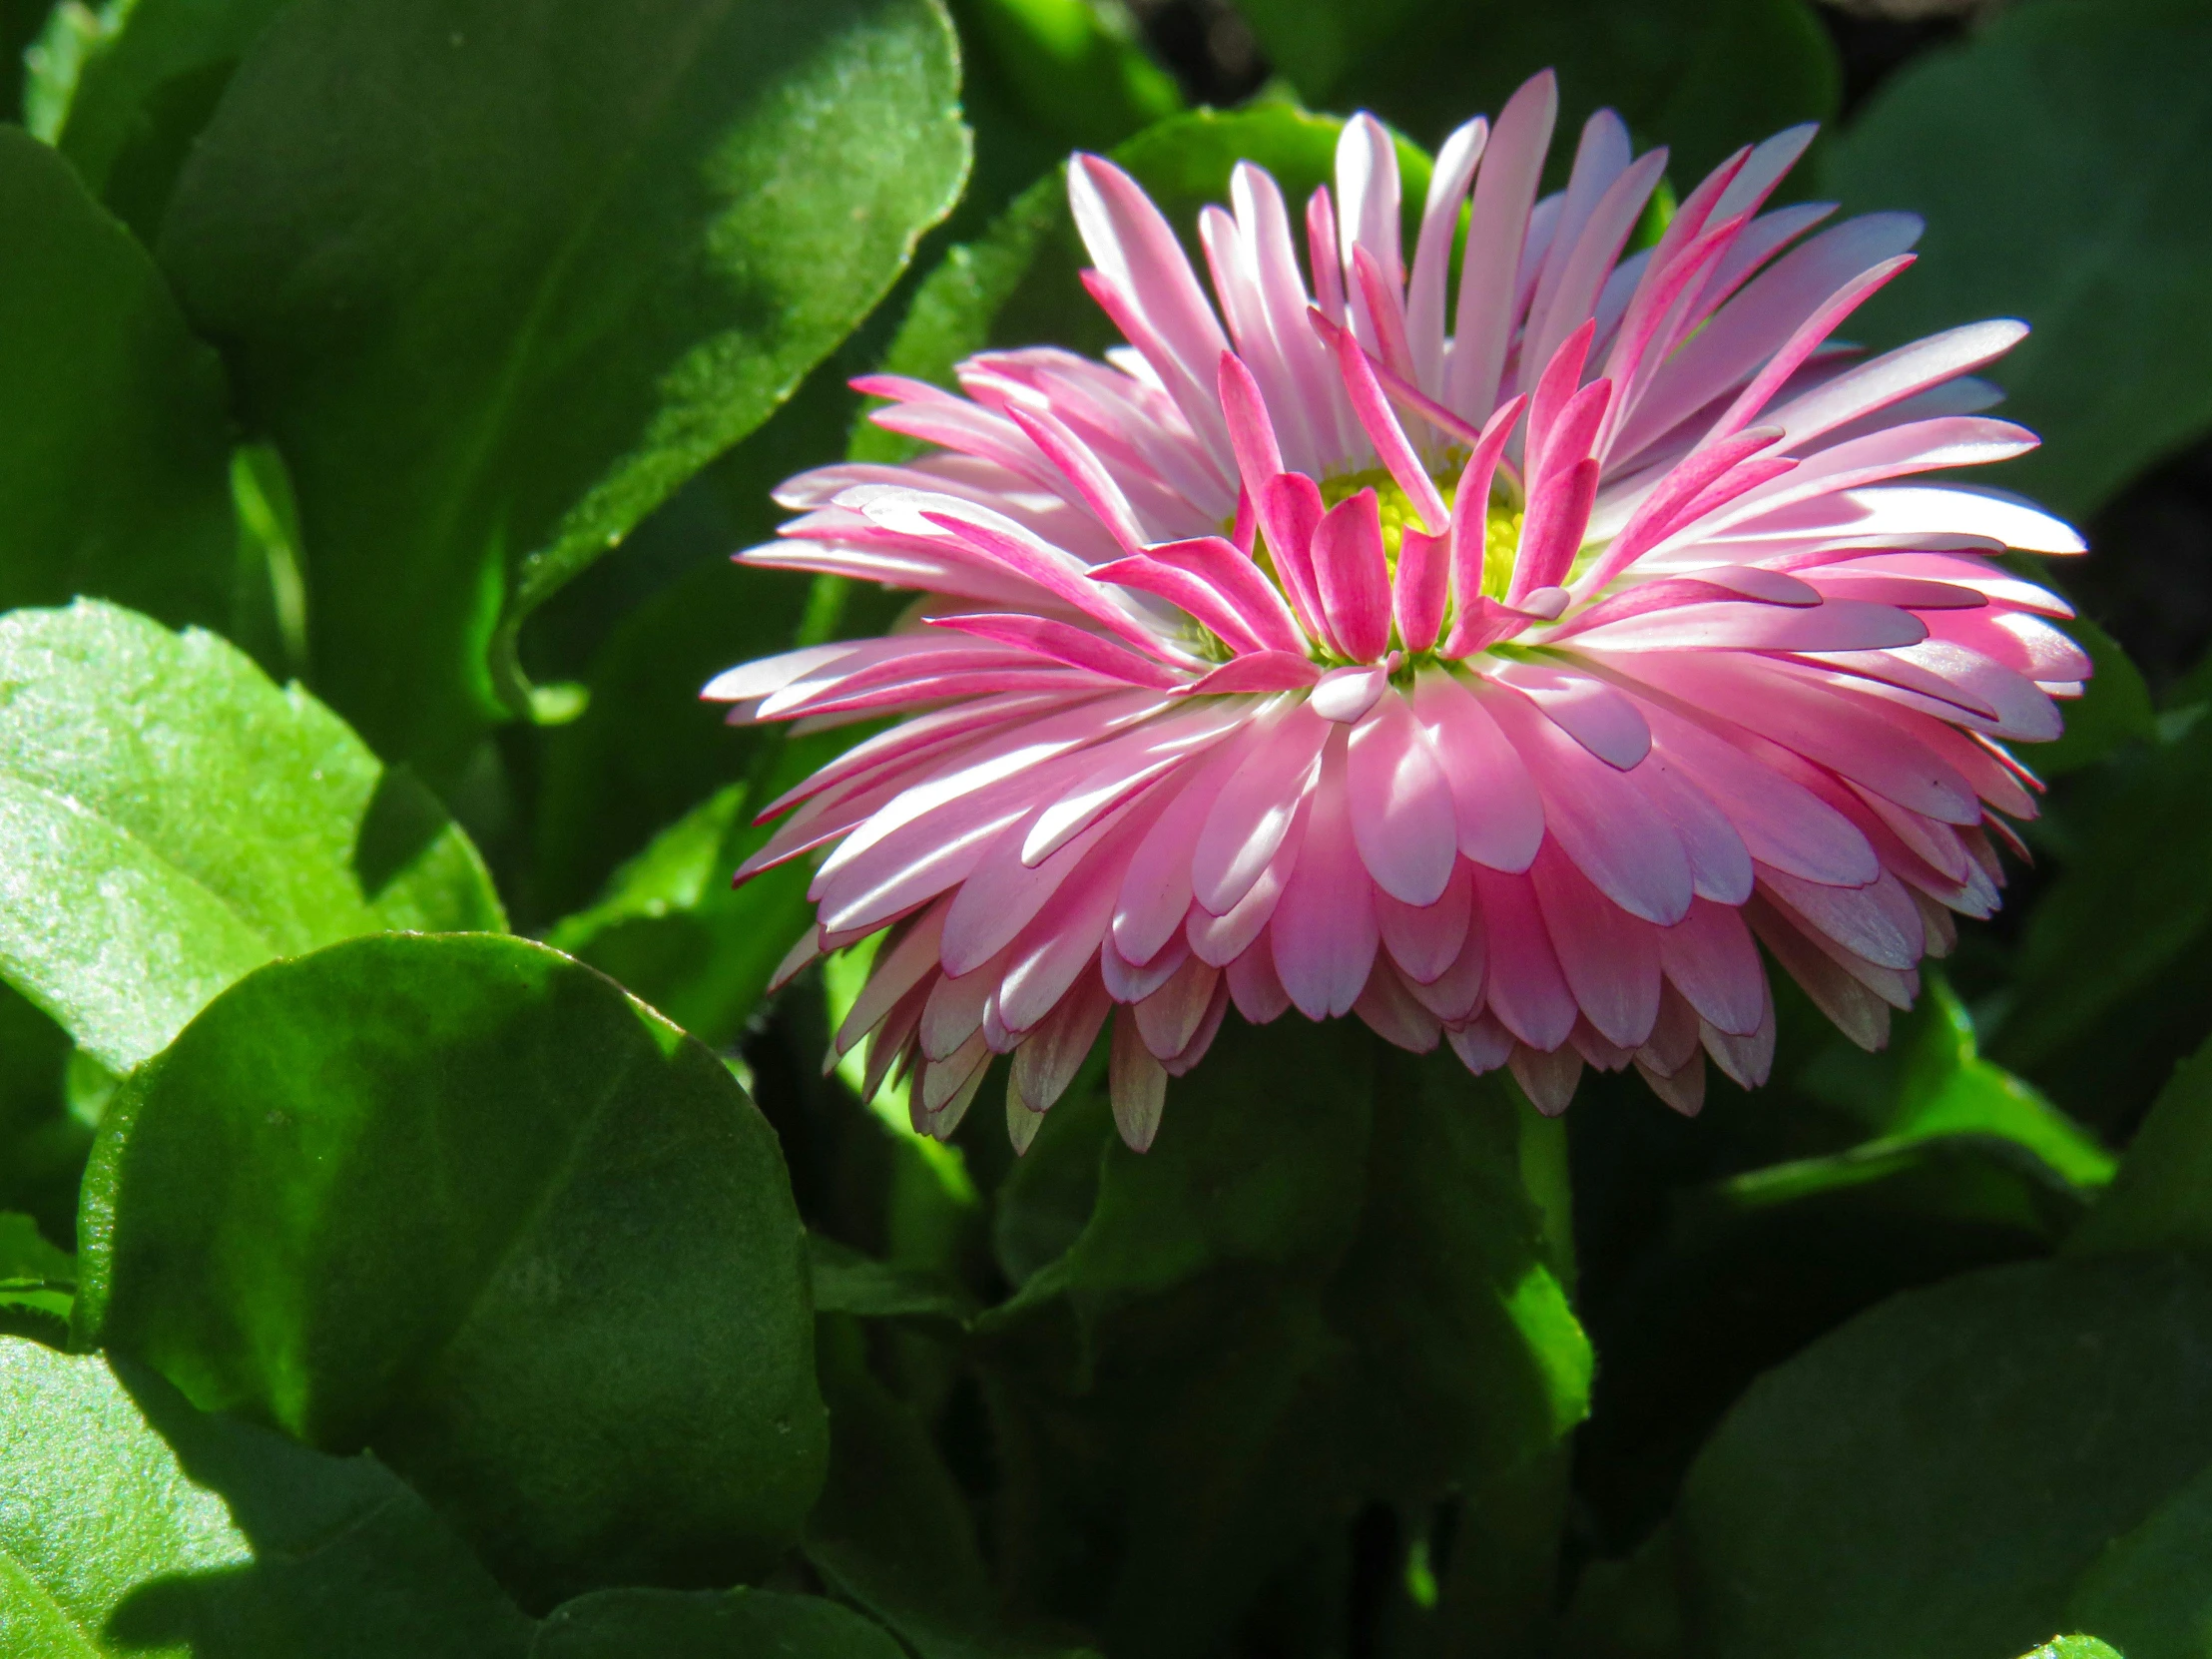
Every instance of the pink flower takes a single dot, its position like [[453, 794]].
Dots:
[[1497, 667]]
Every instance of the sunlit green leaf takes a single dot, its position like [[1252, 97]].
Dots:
[[461, 1199], [169, 820], [135, 1526]]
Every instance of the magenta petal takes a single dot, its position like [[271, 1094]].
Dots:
[[1354, 577], [1419, 592], [1402, 811], [1289, 510]]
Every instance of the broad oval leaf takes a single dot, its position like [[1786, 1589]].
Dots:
[[115, 478], [133, 1524], [498, 276], [2059, 157], [170, 819], [461, 1200], [1940, 1476]]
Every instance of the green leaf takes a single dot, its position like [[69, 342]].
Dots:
[[115, 479], [672, 928], [1474, 1370], [665, 1624], [1331, 1282], [848, 1282], [2162, 1195], [2149, 1592], [124, 94], [42, 1144], [646, 749], [25, 1254], [169, 820], [134, 1525], [892, 1532], [1074, 67], [498, 276], [2109, 977], [2057, 156], [461, 1199], [1702, 76], [2117, 710], [2075, 1647], [1948, 1089], [1945, 1473]]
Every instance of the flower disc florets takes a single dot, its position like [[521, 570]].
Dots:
[[1501, 685]]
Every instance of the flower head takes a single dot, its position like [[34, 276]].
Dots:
[[1497, 665]]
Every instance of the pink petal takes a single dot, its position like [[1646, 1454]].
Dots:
[[1494, 800], [1505, 190], [1290, 511], [1259, 671], [1526, 990], [1253, 813], [1257, 992], [1426, 940], [1709, 958], [1610, 960], [1402, 810], [1394, 1015], [1601, 822], [1592, 713], [1324, 933], [1344, 695], [1049, 1057]]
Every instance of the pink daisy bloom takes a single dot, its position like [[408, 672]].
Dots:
[[1503, 667]]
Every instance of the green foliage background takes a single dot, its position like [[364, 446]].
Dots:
[[421, 1235]]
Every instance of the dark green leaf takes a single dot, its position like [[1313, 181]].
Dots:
[[664, 1624], [42, 1144], [1702, 76], [672, 927], [25, 1253], [892, 1532], [461, 1199], [1942, 1475], [2058, 157], [2162, 1195], [647, 750], [846, 1282], [170, 819], [132, 1524], [2110, 981], [497, 277], [2149, 1592], [115, 479], [1335, 1280], [124, 94]]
